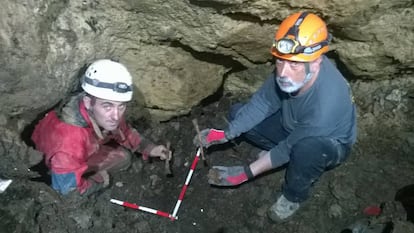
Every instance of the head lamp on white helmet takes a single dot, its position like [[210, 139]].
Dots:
[[107, 79]]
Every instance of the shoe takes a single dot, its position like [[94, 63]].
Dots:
[[282, 209]]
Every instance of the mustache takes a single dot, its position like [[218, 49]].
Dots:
[[284, 78]]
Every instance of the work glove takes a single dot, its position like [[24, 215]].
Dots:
[[161, 151], [210, 137], [229, 176]]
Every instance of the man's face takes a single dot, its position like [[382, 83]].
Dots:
[[290, 75], [107, 113]]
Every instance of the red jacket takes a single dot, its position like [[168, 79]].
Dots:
[[70, 140]]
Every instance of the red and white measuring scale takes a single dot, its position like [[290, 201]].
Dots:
[[172, 216]]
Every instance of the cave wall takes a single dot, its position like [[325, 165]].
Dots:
[[179, 51]]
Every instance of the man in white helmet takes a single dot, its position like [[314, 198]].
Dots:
[[88, 137]]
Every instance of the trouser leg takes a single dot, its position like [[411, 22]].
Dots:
[[266, 134], [309, 159], [110, 158]]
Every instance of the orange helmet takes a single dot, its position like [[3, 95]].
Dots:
[[301, 37]]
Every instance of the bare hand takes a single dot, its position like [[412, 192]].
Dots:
[[101, 177], [161, 151], [104, 174]]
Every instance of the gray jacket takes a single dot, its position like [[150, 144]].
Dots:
[[325, 109]]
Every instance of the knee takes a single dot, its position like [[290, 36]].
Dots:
[[306, 150], [124, 159], [127, 156]]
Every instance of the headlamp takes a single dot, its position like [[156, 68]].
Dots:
[[121, 87], [290, 46], [287, 46], [118, 87]]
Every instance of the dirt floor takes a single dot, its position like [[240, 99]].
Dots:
[[380, 165]]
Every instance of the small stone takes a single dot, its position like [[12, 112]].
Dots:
[[335, 211]]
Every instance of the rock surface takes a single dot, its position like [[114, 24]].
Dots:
[[183, 49], [181, 54]]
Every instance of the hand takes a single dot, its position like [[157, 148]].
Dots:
[[101, 177], [161, 151], [229, 176], [98, 182], [210, 137], [93, 188], [104, 174]]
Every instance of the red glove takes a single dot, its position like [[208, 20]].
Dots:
[[229, 176], [210, 137]]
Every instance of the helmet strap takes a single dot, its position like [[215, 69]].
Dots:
[[95, 126], [308, 73], [294, 30]]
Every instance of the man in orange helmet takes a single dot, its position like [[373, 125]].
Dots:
[[303, 116]]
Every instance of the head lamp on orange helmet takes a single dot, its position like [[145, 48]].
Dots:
[[301, 37]]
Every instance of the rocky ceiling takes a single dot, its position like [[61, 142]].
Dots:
[[179, 51]]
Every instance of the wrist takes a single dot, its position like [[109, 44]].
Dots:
[[146, 153], [227, 134], [248, 172]]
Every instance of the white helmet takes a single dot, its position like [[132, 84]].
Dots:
[[108, 80]]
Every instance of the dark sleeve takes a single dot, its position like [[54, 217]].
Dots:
[[261, 105], [321, 116]]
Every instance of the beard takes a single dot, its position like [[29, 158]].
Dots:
[[288, 85]]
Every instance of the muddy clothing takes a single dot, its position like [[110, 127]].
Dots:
[[73, 145], [312, 131]]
